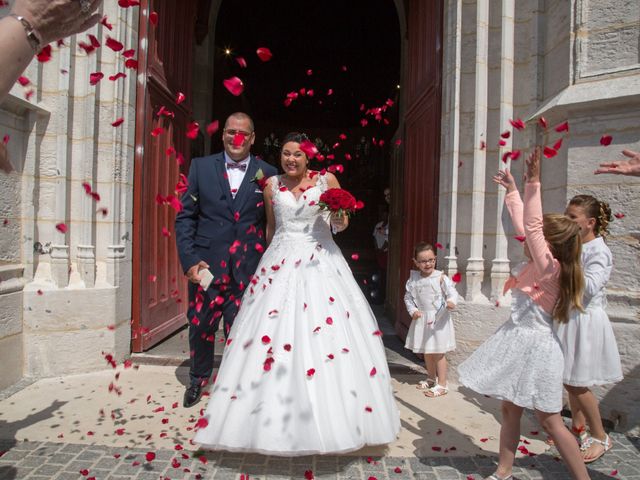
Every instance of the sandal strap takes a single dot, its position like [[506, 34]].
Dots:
[[606, 443], [496, 477]]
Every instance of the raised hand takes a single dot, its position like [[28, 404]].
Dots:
[[622, 167], [532, 174], [504, 178]]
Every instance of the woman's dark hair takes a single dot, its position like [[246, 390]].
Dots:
[[294, 137]]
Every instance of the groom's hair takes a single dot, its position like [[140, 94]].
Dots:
[[240, 116]]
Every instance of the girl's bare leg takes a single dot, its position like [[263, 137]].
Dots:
[[509, 438], [565, 443]]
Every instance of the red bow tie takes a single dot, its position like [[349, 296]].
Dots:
[[240, 166]]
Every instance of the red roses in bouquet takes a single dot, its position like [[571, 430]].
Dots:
[[339, 201]]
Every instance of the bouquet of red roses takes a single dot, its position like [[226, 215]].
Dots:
[[339, 201]]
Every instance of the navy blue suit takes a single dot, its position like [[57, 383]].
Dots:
[[211, 223]]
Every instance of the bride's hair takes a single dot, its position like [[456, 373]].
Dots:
[[294, 137]]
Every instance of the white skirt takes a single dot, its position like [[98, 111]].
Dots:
[[590, 349], [438, 337], [521, 362]]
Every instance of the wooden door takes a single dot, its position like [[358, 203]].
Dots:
[[417, 179], [159, 289]]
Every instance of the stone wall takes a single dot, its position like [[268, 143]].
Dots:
[[575, 61], [66, 297]]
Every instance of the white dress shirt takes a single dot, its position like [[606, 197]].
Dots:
[[235, 175]]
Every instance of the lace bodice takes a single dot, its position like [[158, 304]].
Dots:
[[301, 218]]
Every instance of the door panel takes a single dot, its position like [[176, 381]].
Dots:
[[159, 289], [418, 178]]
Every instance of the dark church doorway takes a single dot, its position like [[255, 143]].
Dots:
[[334, 74]]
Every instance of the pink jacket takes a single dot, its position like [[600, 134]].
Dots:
[[540, 277]]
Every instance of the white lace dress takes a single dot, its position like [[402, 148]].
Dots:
[[590, 350], [432, 332], [304, 370], [522, 361]]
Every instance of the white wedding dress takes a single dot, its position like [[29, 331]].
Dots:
[[304, 370]]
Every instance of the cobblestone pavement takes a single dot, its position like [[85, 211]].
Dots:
[[65, 461]]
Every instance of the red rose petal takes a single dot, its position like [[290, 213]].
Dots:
[[234, 85], [118, 75], [238, 139], [308, 475], [619, 215], [213, 127], [242, 62], [355, 256], [113, 44], [129, 53], [165, 232], [373, 372], [44, 55], [558, 144], [62, 228], [153, 18], [549, 152], [517, 124], [457, 277], [131, 63], [606, 140], [150, 456], [94, 78], [192, 130], [563, 127], [311, 372], [520, 238], [264, 54], [118, 122], [106, 23]]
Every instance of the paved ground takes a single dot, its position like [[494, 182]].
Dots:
[[103, 424]]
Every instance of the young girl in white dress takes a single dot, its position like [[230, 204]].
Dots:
[[429, 296], [522, 363], [590, 351]]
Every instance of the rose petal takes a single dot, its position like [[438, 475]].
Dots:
[[213, 127], [242, 62], [234, 85], [62, 228], [606, 140], [118, 75], [192, 130], [264, 54], [618, 215], [456, 278], [113, 44], [549, 152], [309, 148], [118, 122], [94, 78], [563, 127], [153, 18], [44, 55]]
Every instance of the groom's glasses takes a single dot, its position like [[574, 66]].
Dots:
[[426, 262], [232, 133]]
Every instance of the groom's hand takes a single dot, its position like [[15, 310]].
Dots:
[[193, 274]]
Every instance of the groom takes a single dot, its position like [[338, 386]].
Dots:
[[221, 227]]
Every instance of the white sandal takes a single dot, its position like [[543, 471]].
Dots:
[[437, 391], [426, 384], [496, 477], [606, 446]]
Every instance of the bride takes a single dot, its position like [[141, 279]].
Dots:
[[304, 369]]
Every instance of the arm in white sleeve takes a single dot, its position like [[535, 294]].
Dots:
[[450, 290], [597, 271], [409, 301]]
